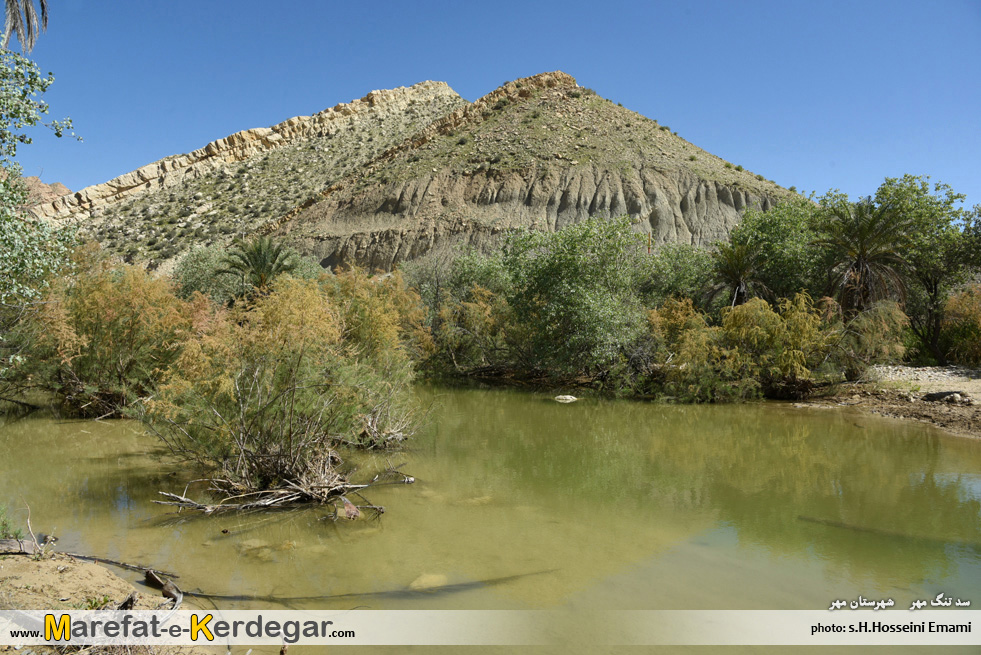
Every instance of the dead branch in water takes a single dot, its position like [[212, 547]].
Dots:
[[926, 539], [328, 490]]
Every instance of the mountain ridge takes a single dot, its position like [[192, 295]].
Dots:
[[399, 173], [508, 161]]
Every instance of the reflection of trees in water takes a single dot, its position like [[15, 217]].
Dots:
[[763, 471], [756, 467], [620, 470]]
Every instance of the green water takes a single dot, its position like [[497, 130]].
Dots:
[[623, 505]]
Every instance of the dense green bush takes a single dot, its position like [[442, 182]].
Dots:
[[962, 326], [676, 270], [576, 294], [785, 235], [755, 351], [197, 271], [874, 336], [205, 269], [588, 305]]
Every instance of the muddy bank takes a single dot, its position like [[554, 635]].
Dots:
[[947, 397]]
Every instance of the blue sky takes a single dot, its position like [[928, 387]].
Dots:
[[814, 94]]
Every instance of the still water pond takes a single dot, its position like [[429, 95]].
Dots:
[[618, 505]]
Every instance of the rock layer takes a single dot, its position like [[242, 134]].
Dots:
[[406, 220], [178, 170], [398, 174], [539, 153]]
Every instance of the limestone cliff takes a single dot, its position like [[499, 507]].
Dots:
[[232, 185]]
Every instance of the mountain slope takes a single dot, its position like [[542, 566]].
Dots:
[[233, 185], [399, 173], [539, 153]]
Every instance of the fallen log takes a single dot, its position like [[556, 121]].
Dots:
[[25, 547]]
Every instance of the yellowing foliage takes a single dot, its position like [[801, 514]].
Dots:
[[962, 325], [104, 337]]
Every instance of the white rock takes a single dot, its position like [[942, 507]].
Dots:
[[566, 399]]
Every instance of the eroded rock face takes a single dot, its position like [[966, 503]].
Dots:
[[402, 173], [39, 192], [178, 170], [539, 153], [384, 227]]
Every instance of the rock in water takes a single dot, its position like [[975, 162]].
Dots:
[[566, 399], [428, 581]]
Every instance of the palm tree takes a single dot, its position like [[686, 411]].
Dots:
[[22, 19], [736, 270], [866, 241], [258, 261]]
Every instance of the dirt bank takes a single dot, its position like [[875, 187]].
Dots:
[[61, 582], [947, 397]]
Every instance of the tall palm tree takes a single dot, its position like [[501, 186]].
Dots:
[[736, 270], [866, 241], [258, 261], [22, 20]]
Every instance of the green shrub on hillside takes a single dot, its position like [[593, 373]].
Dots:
[[204, 269]]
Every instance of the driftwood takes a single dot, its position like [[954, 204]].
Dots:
[[267, 500], [938, 541], [25, 547], [19, 547], [291, 495]]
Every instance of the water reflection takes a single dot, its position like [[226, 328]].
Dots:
[[628, 504]]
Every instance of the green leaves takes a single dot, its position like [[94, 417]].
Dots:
[[784, 235], [258, 262], [21, 85], [736, 271], [866, 239], [30, 250], [577, 292]]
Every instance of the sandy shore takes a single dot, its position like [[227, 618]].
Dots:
[[947, 397], [60, 582]]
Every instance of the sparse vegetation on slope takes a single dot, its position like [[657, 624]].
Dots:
[[219, 200], [383, 186], [538, 153]]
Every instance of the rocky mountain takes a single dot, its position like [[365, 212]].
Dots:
[[538, 153], [400, 173], [234, 185], [39, 192]]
